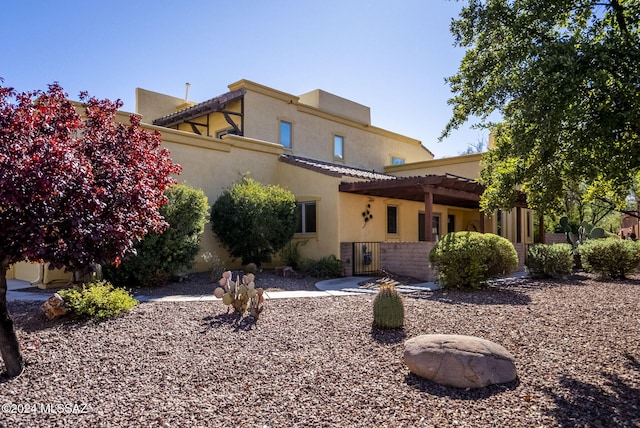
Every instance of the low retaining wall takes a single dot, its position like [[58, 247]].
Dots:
[[555, 238], [408, 258], [401, 258]]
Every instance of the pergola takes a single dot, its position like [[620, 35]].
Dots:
[[445, 189]]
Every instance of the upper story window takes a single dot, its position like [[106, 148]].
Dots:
[[285, 134], [338, 147], [396, 160], [306, 217]]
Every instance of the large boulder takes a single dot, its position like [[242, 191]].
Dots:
[[54, 307], [459, 361]]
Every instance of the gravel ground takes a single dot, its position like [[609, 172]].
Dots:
[[316, 362]]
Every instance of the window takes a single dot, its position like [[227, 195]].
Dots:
[[392, 219], [499, 224], [338, 147], [435, 227], [451, 223], [285, 134], [306, 217], [396, 160]]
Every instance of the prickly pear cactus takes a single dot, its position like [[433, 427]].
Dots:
[[240, 295], [586, 231], [388, 308]]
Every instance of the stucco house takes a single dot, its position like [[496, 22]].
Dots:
[[372, 197]]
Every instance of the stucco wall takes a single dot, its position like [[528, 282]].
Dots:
[[467, 166], [365, 146], [323, 189]]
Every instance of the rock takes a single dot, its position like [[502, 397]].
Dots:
[[459, 361], [285, 272], [54, 307]]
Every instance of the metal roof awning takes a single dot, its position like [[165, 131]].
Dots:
[[445, 190], [216, 104]]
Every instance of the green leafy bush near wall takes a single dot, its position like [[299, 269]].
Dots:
[[550, 261], [290, 254], [254, 221], [466, 260], [324, 267], [613, 258], [161, 256], [98, 299]]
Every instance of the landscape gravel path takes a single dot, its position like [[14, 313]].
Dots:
[[317, 362]]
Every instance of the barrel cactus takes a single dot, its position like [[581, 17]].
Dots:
[[388, 308]]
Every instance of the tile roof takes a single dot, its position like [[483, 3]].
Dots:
[[334, 169], [214, 104]]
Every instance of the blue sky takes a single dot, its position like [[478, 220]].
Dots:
[[390, 56]]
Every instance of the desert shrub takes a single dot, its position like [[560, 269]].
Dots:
[[161, 256], [388, 308], [251, 268], [216, 266], [290, 254], [550, 261], [254, 221], [469, 259], [613, 258], [98, 299], [324, 267]]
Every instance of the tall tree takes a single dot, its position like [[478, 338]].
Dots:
[[73, 191], [565, 76]]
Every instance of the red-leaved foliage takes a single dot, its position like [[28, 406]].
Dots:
[[74, 190]]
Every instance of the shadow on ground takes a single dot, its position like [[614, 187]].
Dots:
[[438, 390], [489, 296], [579, 403], [233, 319], [388, 337]]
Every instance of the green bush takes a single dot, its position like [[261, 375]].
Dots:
[[291, 256], [550, 261], [325, 267], [161, 256], [469, 259], [254, 221], [98, 299], [613, 258]]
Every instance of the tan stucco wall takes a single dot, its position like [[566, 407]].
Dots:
[[311, 186], [214, 164], [354, 229], [467, 166], [334, 104], [152, 105]]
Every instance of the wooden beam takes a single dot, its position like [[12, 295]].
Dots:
[[518, 225], [428, 217]]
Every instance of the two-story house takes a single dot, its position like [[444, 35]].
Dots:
[[374, 198]]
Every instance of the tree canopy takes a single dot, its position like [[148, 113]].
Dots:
[[565, 76], [73, 191]]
